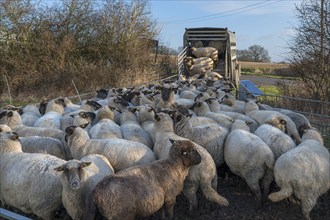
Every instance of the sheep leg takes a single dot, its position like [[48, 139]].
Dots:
[[169, 206], [266, 181], [189, 191], [212, 195], [253, 184], [285, 192], [307, 205]]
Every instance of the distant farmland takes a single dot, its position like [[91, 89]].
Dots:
[[260, 65]]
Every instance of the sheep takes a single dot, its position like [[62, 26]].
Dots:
[[278, 141], [203, 175], [301, 122], [79, 178], [145, 116], [277, 119], [77, 118], [13, 120], [205, 52], [4, 127], [45, 145], [198, 65], [131, 128], [215, 107], [209, 74], [52, 116], [209, 136], [105, 128], [303, 172], [250, 158], [202, 109], [166, 99], [164, 180], [121, 153], [30, 115], [28, 181]]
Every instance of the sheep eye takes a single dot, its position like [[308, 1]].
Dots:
[[84, 116], [179, 118], [184, 153]]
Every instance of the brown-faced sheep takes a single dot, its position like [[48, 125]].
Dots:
[[144, 189]]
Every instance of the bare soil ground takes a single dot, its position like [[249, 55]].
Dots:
[[244, 206]]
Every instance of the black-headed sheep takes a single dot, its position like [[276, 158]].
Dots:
[[144, 189]]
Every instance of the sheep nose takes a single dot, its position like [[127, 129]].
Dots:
[[75, 184]]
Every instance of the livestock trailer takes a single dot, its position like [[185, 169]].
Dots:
[[223, 40]]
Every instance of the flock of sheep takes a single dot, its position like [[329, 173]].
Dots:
[[129, 152]]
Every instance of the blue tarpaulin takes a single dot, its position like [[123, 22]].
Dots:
[[247, 90]]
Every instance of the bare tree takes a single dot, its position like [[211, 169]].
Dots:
[[254, 53], [310, 49]]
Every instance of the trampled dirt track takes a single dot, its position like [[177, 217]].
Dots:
[[243, 205]]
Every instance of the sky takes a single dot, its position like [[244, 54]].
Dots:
[[268, 23]]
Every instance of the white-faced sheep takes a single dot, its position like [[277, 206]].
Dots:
[[131, 128], [250, 158], [13, 120], [105, 128], [277, 140], [303, 172], [79, 177], [28, 181], [209, 136], [144, 189], [202, 176], [121, 153]]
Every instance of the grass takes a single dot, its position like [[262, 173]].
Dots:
[[271, 90]]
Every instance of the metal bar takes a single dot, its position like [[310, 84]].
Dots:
[[11, 215]]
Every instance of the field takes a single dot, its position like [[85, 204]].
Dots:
[[260, 65]]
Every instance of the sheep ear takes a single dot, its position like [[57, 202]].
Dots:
[[112, 108], [157, 117], [172, 141], [60, 168], [70, 130], [14, 136], [91, 115], [249, 122], [84, 125], [85, 164], [132, 109], [10, 114], [2, 114]]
